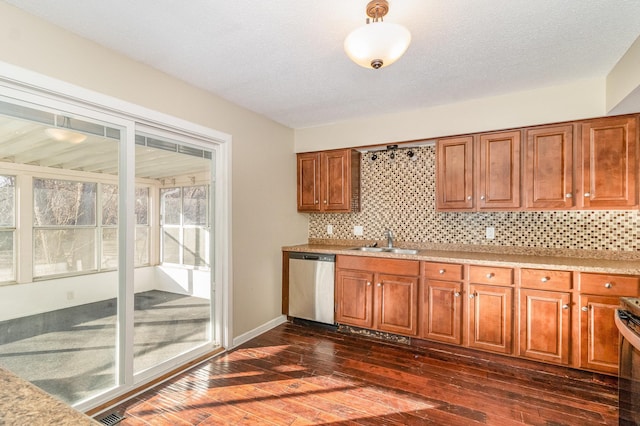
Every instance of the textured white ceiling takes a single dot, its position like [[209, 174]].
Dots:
[[284, 59]]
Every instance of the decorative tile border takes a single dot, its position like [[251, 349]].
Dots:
[[399, 194]]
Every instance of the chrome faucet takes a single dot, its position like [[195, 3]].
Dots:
[[389, 234]]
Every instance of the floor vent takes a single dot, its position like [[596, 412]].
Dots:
[[112, 419]]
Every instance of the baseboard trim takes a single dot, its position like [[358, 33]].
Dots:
[[245, 337]]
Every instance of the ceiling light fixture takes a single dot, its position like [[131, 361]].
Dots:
[[377, 44], [63, 134]]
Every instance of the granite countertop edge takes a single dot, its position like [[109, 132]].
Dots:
[[22, 403], [545, 260]]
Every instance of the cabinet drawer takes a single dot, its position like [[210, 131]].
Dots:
[[612, 285], [490, 275], [378, 264], [442, 271], [545, 279]]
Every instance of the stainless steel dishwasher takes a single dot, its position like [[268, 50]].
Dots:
[[311, 286]]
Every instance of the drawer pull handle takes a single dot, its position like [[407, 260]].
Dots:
[[608, 285], [545, 279], [441, 271], [565, 306], [585, 309], [490, 275], [456, 294]]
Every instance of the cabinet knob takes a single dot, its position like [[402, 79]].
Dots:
[[587, 194], [325, 201], [469, 197], [368, 284], [568, 195], [585, 309], [482, 197], [456, 294], [471, 296], [317, 202], [565, 306], [379, 284], [608, 285], [545, 279], [442, 271], [490, 275]]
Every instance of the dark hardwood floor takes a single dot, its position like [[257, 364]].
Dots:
[[308, 375]]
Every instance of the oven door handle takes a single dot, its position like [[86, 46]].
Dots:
[[625, 331]]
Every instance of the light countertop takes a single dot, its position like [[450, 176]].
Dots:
[[575, 260], [22, 403]]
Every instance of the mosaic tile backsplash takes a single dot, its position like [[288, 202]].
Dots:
[[399, 194]]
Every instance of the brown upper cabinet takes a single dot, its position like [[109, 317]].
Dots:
[[548, 179], [329, 181], [610, 163], [493, 183], [591, 164]]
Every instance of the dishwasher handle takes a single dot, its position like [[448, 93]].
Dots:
[[318, 257]]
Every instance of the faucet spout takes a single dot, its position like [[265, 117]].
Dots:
[[389, 234]]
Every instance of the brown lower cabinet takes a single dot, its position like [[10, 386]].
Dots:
[[381, 294], [490, 317], [545, 325], [563, 317]]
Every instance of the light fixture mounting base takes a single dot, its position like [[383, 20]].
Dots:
[[376, 9]]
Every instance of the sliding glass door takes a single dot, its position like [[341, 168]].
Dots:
[[106, 244]]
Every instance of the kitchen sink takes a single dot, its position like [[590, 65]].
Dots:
[[386, 250]]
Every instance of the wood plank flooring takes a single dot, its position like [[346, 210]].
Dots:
[[309, 375]]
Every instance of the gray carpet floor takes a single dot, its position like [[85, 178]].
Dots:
[[70, 352]]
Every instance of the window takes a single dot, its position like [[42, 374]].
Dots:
[[64, 227], [7, 229], [185, 227]]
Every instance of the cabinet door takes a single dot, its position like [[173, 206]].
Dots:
[[598, 333], [396, 304], [309, 182], [442, 311], [455, 174], [354, 291], [544, 325], [490, 318], [336, 180], [499, 171], [609, 162], [549, 167]]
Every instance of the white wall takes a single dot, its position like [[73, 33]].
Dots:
[[264, 216], [623, 82], [572, 101]]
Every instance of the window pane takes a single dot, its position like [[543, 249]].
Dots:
[[109, 248], [196, 244], [170, 206], [61, 202], [142, 246], [171, 245], [7, 264], [7, 200], [109, 204], [195, 205], [63, 251], [142, 206]]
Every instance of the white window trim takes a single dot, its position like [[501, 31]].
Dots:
[[25, 85]]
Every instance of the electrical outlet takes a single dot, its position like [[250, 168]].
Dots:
[[358, 231], [329, 229], [490, 233]]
